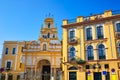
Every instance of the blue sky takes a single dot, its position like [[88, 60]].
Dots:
[[22, 19]]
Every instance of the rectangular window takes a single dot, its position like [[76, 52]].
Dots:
[[97, 76], [89, 33], [87, 66], [72, 76], [8, 64], [6, 51], [106, 66], [107, 77], [20, 65], [13, 51], [117, 27], [119, 65], [18, 77], [100, 32], [72, 34]]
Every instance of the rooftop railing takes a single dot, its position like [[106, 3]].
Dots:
[[96, 16], [70, 21], [115, 12]]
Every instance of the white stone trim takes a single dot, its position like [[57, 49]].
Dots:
[[105, 50], [6, 63], [16, 53], [86, 51], [46, 46], [69, 50], [115, 24], [86, 29], [71, 29], [97, 25]]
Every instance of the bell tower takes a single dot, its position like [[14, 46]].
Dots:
[[48, 34], [48, 31]]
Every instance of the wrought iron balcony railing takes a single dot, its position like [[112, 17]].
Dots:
[[117, 34], [74, 60], [115, 12], [73, 40]]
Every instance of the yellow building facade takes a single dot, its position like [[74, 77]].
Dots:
[[33, 60], [91, 47]]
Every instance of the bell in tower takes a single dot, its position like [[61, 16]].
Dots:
[[48, 30], [49, 23]]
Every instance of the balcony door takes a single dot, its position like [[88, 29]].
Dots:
[[72, 76], [97, 76]]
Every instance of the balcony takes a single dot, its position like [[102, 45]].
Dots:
[[73, 41], [89, 38], [75, 60], [91, 58], [100, 36], [102, 57], [117, 35]]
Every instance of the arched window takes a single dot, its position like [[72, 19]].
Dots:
[[44, 47], [72, 52], [73, 68], [101, 51], [118, 48], [90, 55], [53, 35], [48, 25]]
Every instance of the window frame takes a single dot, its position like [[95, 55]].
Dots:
[[99, 52], [6, 63], [118, 49], [44, 47], [6, 51], [90, 32], [13, 51], [102, 32], [89, 53], [72, 52], [115, 24], [72, 29]]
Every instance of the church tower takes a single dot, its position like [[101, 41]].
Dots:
[[48, 35], [37, 58]]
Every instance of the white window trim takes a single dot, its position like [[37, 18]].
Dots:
[[86, 29], [117, 48], [105, 51], [6, 63], [93, 52], [69, 50], [5, 51], [97, 25], [15, 51], [46, 45], [115, 25], [71, 29]]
